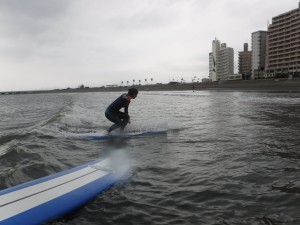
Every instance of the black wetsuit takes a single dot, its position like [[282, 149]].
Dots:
[[113, 113]]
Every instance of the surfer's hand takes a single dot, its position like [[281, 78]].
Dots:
[[128, 119]]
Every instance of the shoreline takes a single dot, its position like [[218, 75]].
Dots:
[[268, 85]]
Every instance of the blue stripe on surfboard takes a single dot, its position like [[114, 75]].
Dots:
[[62, 205], [125, 135]]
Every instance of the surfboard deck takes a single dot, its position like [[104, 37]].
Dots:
[[53, 196], [124, 135]]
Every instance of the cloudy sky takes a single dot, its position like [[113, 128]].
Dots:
[[65, 43]]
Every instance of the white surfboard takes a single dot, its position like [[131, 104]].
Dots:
[[124, 135], [51, 197]]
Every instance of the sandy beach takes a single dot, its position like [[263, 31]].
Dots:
[[268, 85]]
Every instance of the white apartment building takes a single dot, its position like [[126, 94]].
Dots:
[[213, 60], [212, 72], [258, 42], [225, 62]]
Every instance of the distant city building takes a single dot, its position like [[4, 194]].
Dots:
[[235, 77], [224, 62], [283, 44], [206, 80], [245, 62], [258, 53], [212, 70], [213, 59]]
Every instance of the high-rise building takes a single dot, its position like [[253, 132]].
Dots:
[[245, 62], [212, 71], [258, 53], [225, 62], [213, 60], [283, 44]]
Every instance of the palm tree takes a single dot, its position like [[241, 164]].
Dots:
[[122, 83], [127, 83], [139, 82], [133, 81], [146, 81], [151, 80]]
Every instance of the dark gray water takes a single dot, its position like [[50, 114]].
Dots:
[[228, 157]]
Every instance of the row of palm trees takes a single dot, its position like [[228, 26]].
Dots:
[[182, 80], [138, 83]]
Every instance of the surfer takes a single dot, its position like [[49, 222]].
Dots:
[[113, 113]]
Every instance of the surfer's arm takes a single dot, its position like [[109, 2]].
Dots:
[[126, 110]]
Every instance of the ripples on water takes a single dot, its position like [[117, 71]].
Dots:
[[228, 158]]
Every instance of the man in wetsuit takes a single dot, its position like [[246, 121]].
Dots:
[[113, 113]]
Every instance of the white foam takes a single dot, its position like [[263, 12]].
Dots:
[[4, 149]]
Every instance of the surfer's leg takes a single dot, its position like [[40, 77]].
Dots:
[[115, 119], [113, 127], [125, 120]]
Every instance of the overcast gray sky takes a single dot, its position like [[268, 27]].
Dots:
[[65, 43]]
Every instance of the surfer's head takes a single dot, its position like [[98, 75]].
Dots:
[[133, 92]]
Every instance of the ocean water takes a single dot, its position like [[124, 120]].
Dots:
[[227, 158]]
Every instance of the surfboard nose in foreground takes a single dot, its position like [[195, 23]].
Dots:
[[51, 197]]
